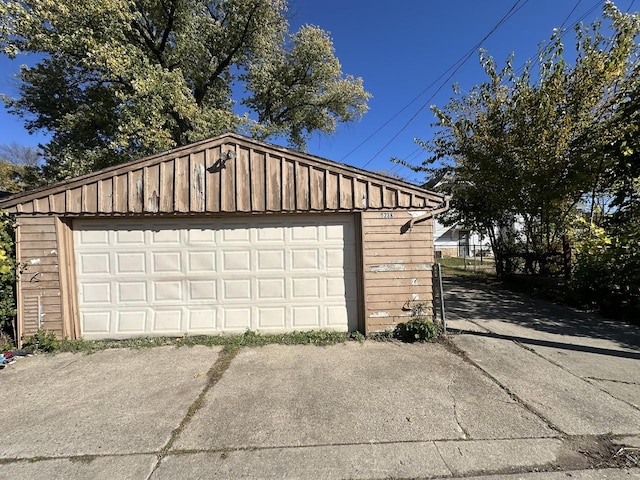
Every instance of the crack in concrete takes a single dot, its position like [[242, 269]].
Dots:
[[213, 375], [464, 431], [463, 355], [435, 444], [611, 380]]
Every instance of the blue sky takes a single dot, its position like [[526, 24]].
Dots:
[[399, 49]]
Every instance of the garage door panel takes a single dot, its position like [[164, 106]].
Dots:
[[270, 260], [168, 277], [202, 320], [131, 292], [198, 262], [132, 321], [96, 322], [305, 317], [271, 318], [94, 263], [236, 261], [271, 289], [129, 263], [130, 237], [237, 319], [167, 320], [166, 262], [202, 290], [304, 259], [96, 293]]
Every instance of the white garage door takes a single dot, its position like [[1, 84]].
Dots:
[[200, 276]]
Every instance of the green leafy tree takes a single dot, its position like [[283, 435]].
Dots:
[[528, 151], [126, 78]]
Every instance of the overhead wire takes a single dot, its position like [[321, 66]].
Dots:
[[456, 67]]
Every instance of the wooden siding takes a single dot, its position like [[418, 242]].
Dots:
[[231, 174], [397, 268], [39, 300]]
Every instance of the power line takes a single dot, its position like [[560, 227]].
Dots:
[[512, 11], [570, 13], [460, 61]]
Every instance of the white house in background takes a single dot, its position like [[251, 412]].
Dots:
[[455, 240], [458, 241]]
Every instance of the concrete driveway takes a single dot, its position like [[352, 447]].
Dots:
[[519, 386]]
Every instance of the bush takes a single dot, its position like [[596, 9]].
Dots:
[[7, 275], [42, 341], [418, 329]]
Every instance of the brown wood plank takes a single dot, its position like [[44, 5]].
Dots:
[[374, 195], [346, 192], [228, 186], [105, 195], [288, 185], [90, 198], [360, 199], [404, 199], [399, 252], [198, 180], [258, 181], [152, 189], [35, 227], [212, 182], [121, 194], [274, 187], [375, 283], [136, 191], [317, 189], [181, 184], [41, 205], [244, 180], [389, 197], [38, 236], [167, 186], [57, 202], [74, 200], [302, 187], [331, 192]]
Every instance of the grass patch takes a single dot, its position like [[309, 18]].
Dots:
[[247, 339], [467, 267]]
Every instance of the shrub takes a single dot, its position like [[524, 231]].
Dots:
[[42, 341], [418, 329]]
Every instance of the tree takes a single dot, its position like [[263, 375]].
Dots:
[[530, 151], [19, 167], [124, 78]]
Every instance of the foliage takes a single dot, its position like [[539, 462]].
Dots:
[[418, 329], [118, 79], [19, 168], [519, 151], [7, 274], [247, 339], [42, 341]]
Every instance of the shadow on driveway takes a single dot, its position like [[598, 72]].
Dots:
[[484, 302]]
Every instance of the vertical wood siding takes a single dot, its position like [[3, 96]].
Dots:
[[203, 180], [397, 268], [38, 281]]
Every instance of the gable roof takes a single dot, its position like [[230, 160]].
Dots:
[[229, 173]]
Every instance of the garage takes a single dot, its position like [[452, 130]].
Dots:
[[197, 276], [218, 237]]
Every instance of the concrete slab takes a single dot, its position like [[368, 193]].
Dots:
[[110, 402], [600, 474], [391, 460], [99, 468], [572, 404], [627, 392], [477, 456], [351, 394]]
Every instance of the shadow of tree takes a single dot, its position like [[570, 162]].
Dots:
[[485, 301]]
